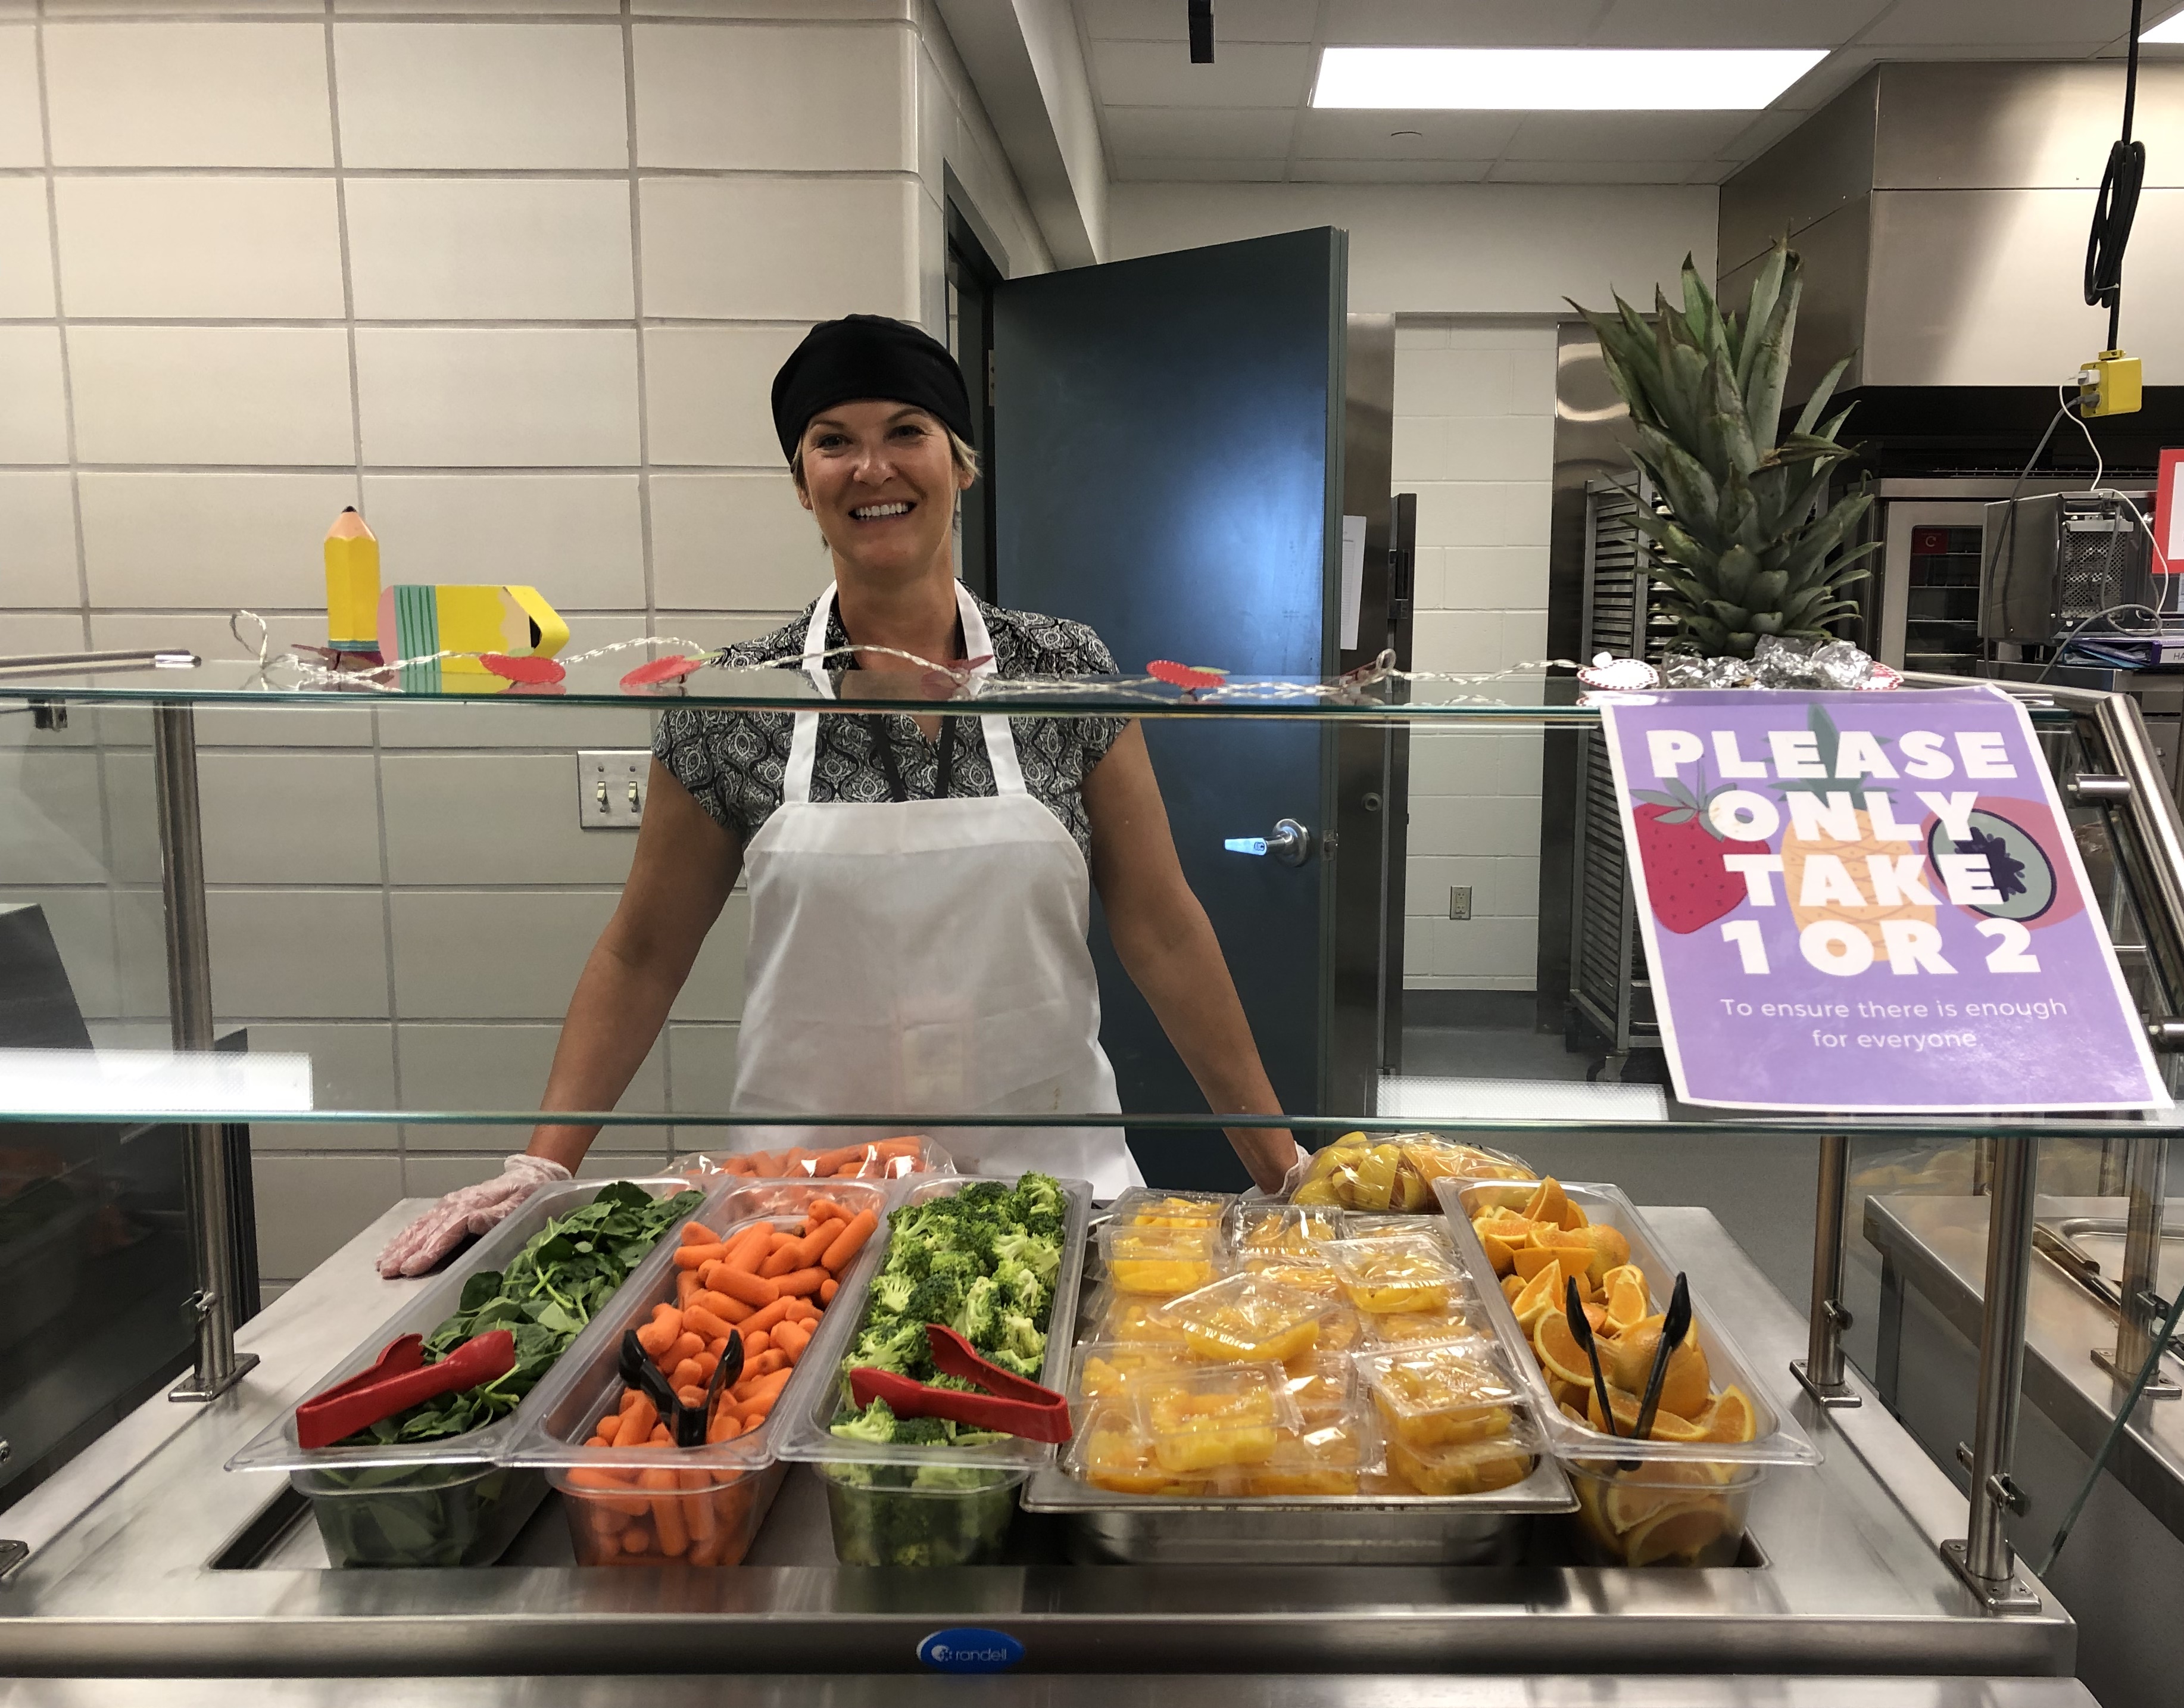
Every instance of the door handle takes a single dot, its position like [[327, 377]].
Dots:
[[1290, 843]]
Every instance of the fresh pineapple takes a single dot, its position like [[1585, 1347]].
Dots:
[[1750, 551]]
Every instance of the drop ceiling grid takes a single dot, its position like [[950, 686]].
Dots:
[[1248, 117]]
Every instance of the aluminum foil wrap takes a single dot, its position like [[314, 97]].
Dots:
[[1779, 663]]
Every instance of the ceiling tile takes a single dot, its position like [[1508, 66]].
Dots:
[[1165, 20], [1474, 23], [1973, 26], [1183, 171], [1688, 136], [1160, 73], [1212, 133], [1389, 171], [1353, 136], [1600, 170], [1733, 23]]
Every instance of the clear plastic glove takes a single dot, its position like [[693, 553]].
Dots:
[[1290, 1180], [466, 1211]]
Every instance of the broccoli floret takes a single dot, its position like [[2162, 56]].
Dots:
[[1038, 1195], [938, 1298], [920, 1431], [896, 1343], [1016, 1363], [875, 1423], [911, 1259], [1042, 1257], [1020, 1335], [1022, 1288], [891, 1294], [978, 1320]]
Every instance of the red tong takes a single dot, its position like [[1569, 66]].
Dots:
[[399, 1380], [1012, 1405]]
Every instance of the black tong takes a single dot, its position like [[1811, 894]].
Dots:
[[1675, 1326], [686, 1423]]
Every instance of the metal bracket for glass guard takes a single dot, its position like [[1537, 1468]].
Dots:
[[1820, 1371], [208, 1194], [1984, 1559]]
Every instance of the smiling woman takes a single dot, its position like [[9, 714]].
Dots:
[[920, 885]]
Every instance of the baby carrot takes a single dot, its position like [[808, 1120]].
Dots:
[[696, 1233], [849, 1241], [704, 1529], [608, 1424], [687, 1284], [740, 1283], [801, 1281], [748, 1248], [635, 1427], [764, 1319], [686, 1374], [705, 1322], [668, 1512], [768, 1362], [754, 1344], [697, 1257], [691, 1393], [630, 1396], [822, 1208], [828, 1289], [686, 1345]]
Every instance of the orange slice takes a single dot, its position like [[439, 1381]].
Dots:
[[1676, 1532], [1631, 1500], [1531, 1259], [1730, 1417], [1560, 1355], [1499, 1253], [1668, 1425], [1542, 1292], [1629, 1359], [1512, 1285], [1626, 1299], [1548, 1203]]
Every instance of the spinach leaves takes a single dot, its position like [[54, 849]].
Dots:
[[544, 1298]]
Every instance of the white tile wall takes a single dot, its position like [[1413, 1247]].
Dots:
[[200, 247], [26, 250], [1474, 438], [513, 276]]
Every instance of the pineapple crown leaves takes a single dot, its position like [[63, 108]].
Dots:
[[1750, 552], [1829, 740], [1685, 803]]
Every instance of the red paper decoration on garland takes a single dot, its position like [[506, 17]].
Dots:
[[662, 670], [1185, 675], [523, 669]]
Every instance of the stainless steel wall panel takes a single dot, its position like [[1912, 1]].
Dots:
[[1825, 163], [1996, 124]]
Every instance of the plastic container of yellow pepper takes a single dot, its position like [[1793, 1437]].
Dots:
[[1329, 1456], [1270, 1230], [1102, 1371], [1112, 1314], [1415, 1273], [1440, 1396], [1205, 1419], [1112, 1452], [1245, 1319], [1151, 1206], [1393, 1171], [1470, 1467], [1162, 1260]]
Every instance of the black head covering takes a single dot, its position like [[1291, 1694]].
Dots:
[[868, 356]]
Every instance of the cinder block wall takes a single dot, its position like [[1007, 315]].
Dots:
[[513, 278], [1474, 438]]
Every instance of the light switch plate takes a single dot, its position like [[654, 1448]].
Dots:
[[611, 788], [1459, 901]]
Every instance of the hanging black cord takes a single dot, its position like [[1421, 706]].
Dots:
[[2117, 205]]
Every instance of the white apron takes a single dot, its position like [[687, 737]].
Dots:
[[927, 956]]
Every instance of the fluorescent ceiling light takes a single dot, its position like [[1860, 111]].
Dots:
[[2168, 29], [1558, 79]]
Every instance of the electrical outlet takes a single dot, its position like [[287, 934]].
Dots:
[[1459, 901], [611, 788]]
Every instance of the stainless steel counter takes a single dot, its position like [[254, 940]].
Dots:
[[1154, 1690], [123, 1579]]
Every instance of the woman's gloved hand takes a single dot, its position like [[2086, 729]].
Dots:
[[464, 1212]]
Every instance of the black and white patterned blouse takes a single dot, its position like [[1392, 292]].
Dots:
[[732, 761]]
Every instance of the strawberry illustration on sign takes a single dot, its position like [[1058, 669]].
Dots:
[[1686, 880]]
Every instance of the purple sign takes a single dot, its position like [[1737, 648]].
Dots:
[[1867, 902]]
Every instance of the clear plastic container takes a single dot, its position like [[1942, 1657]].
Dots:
[[1321, 1384], [1282, 1230], [457, 1500], [419, 1514], [921, 1514], [1661, 1512], [1333, 1454], [1441, 1396], [1248, 1320], [1392, 1171], [1311, 1274], [700, 1506], [1162, 1261], [1107, 1371], [1461, 1468], [1465, 1320], [1360, 1225], [1149, 1206], [1412, 1273], [696, 1516], [1112, 1451], [872, 1160], [1210, 1418], [1131, 1318]]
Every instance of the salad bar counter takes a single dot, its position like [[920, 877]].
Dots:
[[149, 1556]]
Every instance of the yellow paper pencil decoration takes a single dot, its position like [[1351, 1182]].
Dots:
[[351, 584]]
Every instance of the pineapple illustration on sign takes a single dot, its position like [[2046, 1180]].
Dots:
[[1847, 890]]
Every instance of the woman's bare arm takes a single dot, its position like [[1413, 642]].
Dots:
[[679, 879], [1168, 948]]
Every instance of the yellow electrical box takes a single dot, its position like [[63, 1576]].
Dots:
[[2109, 385]]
